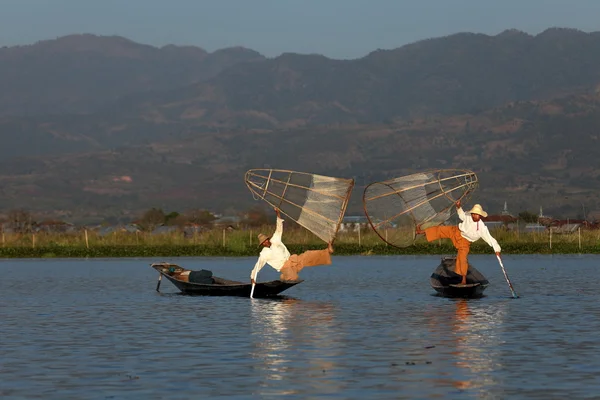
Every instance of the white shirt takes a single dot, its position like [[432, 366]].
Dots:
[[473, 231], [276, 255]]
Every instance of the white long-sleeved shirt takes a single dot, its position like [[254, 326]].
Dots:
[[473, 231], [275, 256]]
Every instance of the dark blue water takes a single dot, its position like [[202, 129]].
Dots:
[[363, 328]]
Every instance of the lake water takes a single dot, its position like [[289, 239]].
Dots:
[[363, 328]]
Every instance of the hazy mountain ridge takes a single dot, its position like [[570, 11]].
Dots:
[[526, 153], [79, 73], [520, 110]]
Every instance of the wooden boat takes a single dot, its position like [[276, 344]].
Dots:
[[203, 283], [447, 283]]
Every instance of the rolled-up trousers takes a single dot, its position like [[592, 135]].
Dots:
[[460, 243], [310, 258]]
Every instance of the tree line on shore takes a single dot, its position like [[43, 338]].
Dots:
[[23, 221]]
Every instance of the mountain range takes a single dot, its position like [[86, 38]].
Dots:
[[96, 125]]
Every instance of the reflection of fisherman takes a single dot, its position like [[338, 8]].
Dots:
[[469, 230], [277, 256]]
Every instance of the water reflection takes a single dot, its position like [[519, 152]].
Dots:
[[78, 329], [475, 329], [294, 342]]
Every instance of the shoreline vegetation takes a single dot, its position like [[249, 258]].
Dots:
[[243, 243]]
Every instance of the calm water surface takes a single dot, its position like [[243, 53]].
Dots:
[[363, 328]]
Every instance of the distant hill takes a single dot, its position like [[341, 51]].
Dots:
[[520, 110], [458, 74], [528, 153], [80, 73]]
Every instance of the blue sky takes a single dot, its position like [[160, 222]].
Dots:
[[335, 28]]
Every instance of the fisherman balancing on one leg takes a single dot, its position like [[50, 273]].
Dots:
[[470, 229], [277, 255]]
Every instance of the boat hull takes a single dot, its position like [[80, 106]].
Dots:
[[221, 286], [447, 283]]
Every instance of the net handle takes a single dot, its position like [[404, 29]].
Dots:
[[343, 209], [285, 188]]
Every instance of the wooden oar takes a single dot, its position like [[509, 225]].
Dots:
[[158, 283], [512, 290], [253, 284]]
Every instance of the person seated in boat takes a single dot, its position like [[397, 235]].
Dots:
[[277, 255], [470, 229], [185, 275]]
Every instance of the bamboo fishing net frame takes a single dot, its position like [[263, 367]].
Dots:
[[261, 191], [468, 185]]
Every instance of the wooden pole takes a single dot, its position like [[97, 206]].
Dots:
[[33, 240], [137, 239], [550, 237], [510, 286], [3, 240], [358, 235], [223, 237], [250, 237], [87, 243], [579, 234], [386, 238]]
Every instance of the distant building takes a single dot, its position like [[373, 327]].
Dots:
[[544, 219], [503, 221], [566, 228], [227, 222], [354, 223], [535, 228], [52, 226], [163, 229], [107, 230], [505, 210]]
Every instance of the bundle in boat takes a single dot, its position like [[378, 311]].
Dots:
[[316, 202], [395, 207]]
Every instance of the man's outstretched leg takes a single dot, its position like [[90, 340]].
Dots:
[[310, 258], [439, 232], [461, 244]]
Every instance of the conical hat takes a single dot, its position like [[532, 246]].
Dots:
[[262, 238], [478, 210]]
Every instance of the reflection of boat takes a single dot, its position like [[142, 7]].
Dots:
[[447, 283], [204, 283]]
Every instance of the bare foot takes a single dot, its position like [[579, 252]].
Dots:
[[464, 280], [330, 248], [419, 230]]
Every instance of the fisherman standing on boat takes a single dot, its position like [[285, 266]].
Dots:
[[277, 255], [469, 230]]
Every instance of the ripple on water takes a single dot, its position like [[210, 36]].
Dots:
[[365, 327]]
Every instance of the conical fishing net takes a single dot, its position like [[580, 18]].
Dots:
[[316, 202], [396, 206]]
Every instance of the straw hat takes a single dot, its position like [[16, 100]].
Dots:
[[478, 210], [262, 238]]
